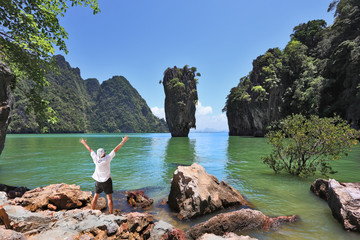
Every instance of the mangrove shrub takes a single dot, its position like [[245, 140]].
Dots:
[[302, 146]]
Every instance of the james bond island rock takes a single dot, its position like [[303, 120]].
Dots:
[[54, 197], [343, 200], [194, 192], [243, 220], [317, 73], [180, 99], [137, 199], [6, 101]]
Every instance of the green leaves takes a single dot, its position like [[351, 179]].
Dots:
[[29, 35], [302, 146]]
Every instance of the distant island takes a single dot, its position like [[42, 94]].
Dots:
[[85, 106]]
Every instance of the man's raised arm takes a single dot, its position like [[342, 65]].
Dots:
[[124, 139], [85, 144]]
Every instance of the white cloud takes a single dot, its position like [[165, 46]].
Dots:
[[203, 110], [205, 119], [211, 122], [159, 112]]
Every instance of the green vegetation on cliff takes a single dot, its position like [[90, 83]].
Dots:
[[86, 106], [317, 73]]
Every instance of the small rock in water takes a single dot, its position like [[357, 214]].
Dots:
[[137, 199]]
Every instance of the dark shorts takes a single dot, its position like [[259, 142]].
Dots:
[[106, 187]]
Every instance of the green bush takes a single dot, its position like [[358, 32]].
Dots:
[[302, 146]]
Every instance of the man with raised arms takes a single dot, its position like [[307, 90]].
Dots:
[[102, 174]]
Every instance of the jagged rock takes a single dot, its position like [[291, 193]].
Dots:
[[6, 101], [7, 234], [241, 220], [320, 187], [180, 99], [137, 199], [79, 224], [229, 236], [54, 197], [4, 218], [344, 202], [163, 230], [195, 192]]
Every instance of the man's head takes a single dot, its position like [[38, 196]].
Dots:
[[100, 152]]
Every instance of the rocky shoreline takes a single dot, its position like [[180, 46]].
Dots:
[[62, 211]]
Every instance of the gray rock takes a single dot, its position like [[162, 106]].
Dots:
[[344, 202], [229, 236], [194, 192], [160, 229], [7, 234]]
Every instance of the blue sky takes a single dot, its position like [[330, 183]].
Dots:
[[139, 39]]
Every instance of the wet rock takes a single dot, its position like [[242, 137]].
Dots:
[[137, 199], [344, 202], [194, 193], [164, 230], [320, 188], [229, 236], [241, 220], [7, 234], [13, 192], [54, 197]]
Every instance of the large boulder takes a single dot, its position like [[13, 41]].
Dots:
[[180, 100], [194, 192], [344, 202], [54, 197], [239, 221]]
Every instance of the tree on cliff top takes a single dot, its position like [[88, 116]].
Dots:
[[30, 31], [302, 146]]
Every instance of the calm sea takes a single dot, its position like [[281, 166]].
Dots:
[[148, 161]]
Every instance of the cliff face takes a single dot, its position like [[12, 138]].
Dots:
[[318, 73], [255, 102], [87, 106], [6, 101], [180, 99]]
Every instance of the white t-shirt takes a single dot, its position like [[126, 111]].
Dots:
[[102, 166]]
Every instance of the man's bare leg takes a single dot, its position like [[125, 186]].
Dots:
[[110, 203], [94, 201]]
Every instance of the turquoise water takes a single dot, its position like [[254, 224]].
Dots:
[[148, 161]]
